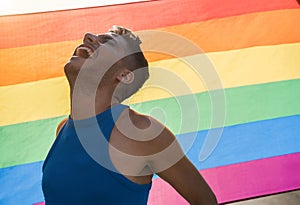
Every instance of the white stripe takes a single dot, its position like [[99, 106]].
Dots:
[[9, 7]]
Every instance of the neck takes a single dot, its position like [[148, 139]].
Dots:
[[85, 105]]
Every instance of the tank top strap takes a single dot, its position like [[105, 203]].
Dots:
[[108, 119], [94, 134]]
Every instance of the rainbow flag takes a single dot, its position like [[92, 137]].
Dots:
[[254, 47]]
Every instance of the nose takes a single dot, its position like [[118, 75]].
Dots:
[[90, 38]]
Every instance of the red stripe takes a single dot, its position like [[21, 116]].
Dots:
[[31, 29], [240, 181]]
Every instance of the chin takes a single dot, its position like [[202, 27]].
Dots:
[[71, 68], [74, 64]]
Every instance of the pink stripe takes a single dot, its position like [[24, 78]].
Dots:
[[240, 181]]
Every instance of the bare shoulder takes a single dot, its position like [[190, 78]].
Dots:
[[148, 133], [156, 150], [139, 120], [142, 133], [151, 129], [60, 125], [130, 143], [148, 142]]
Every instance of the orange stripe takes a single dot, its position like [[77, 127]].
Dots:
[[33, 63], [49, 27], [266, 28], [46, 61]]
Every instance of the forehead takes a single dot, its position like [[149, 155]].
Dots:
[[107, 35], [113, 37], [130, 37], [127, 41]]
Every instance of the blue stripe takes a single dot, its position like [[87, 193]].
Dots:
[[240, 143], [21, 184], [246, 142]]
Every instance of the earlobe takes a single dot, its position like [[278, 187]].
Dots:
[[126, 77]]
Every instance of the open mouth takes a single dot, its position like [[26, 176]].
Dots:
[[83, 51]]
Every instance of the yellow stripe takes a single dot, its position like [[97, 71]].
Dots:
[[34, 100], [49, 98]]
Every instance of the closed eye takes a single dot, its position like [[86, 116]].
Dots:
[[103, 38]]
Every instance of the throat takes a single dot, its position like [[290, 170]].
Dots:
[[84, 105]]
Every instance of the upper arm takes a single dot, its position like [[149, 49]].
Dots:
[[60, 125], [188, 182], [174, 167]]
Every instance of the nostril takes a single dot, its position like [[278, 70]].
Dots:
[[90, 38]]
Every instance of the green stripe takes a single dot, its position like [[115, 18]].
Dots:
[[26, 142], [30, 142], [243, 104]]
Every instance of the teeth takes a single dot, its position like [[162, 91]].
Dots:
[[88, 50]]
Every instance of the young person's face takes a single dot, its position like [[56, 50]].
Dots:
[[98, 51]]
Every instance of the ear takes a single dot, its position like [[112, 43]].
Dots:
[[126, 76]]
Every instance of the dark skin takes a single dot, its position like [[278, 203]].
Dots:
[[139, 145]]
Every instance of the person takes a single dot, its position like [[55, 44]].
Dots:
[[80, 168]]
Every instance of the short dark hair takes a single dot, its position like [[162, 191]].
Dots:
[[135, 62]]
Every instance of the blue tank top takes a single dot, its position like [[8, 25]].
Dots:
[[71, 176]]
